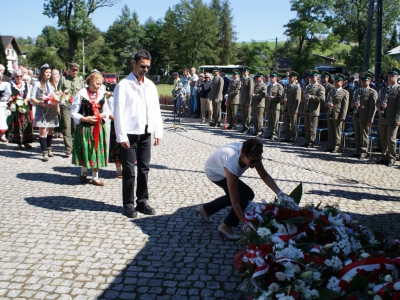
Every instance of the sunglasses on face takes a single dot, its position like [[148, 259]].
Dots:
[[145, 67], [254, 161], [18, 76]]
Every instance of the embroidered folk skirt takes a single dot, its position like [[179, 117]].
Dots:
[[84, 153], [20, 130]]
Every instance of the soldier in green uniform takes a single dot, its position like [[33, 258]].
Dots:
[[350, 89], [337, 108], [291, 102], [217, 85], [325, 76], [245, 99], [364, 102], [314, 96], [274, 98], [232, 102], [258, 103], [389, 118], [71, 84]]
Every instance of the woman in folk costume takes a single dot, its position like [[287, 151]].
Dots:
[[20, 130], [90, 142], [46, 114]]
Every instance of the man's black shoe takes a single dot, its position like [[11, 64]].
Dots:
[[218, 124], [329, 150], [356, 155], [286, 141], [130, 211], [212, 124], [390, 163], [229, 127], [304, 145], [382, 162], [145, 209]]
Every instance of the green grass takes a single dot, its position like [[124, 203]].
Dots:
[[335, 50], [164, 89]]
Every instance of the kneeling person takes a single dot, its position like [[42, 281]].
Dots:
[[224, 168]]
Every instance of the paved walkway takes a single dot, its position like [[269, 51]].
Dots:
[[60, 239]]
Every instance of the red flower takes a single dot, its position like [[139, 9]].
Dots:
[[294, 294], [396, 296], [252, 247], [344, 285], [362, 272]]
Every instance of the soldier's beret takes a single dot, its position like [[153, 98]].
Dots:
[[293, 73], [45, 66], [339, 76], [314, 73], [216, 69], [258, 75], [325, 74], [394, 71], [273, 74], [246, 69], [365, 76], [73, 64], [236, 71]]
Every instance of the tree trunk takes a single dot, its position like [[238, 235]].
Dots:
[[73, 44]]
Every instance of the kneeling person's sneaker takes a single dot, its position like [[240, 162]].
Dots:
[[130, 211], [145, 209]]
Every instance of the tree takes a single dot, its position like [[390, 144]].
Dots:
[[151, 42], [226, 34], [393, 42], [309, 30], [3, 59], [258, 56], [124, 37], [73, 16], [189, 35]]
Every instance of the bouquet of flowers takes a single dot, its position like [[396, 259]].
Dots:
[[315, 253], [60, 97], [108, 95], [15, 103]]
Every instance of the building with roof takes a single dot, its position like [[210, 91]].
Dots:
[[12, 51], [395, 54]]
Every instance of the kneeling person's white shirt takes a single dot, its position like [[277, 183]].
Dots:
[[225, 157]]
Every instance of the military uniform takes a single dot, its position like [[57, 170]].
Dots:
[[328, 87], [362, 115], [336, 115], [388, 117], [258, 106], [274, 108], [233, 100], [73, 86], [216, 96], [311, 110], [245, 101], [293, 96]]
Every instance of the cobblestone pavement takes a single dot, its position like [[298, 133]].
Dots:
[[60, 239]]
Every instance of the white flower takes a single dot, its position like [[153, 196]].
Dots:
[[280, 276], [274, 287], [19, 102], [396, 286], [22, 110], [377, 297], [335, 221], [265, 296], [317, 275], [289, 270], [335, 263], [284, 297], [8, 112], [13, 107], [263, 232], [333, 284], [296, 268], [388, 278], [290, 252], [292, 229], [365, 255]]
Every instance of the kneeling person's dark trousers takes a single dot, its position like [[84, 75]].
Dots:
[[140, 146], [246, 194]]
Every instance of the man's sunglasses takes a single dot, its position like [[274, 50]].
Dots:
[[145, 67]]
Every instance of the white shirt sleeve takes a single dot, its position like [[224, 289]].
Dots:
[[76, 105], [7, 92], [119, 105]]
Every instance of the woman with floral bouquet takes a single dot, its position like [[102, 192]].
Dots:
[[90, 143], [20, 129], [46, 115], [5, 93]]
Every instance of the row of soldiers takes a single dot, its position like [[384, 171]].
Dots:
[[312, 98]]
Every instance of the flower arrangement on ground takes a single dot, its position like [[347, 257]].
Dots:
[[315, 253]]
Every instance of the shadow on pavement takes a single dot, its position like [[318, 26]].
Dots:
[[358, 196], [62, 203], [183, 257], [50, 178]]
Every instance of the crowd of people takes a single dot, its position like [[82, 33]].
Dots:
[[269, 101]]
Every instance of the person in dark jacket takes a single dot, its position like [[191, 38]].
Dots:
[[204, 91]]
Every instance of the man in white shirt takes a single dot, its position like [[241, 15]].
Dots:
[[136, 116], [224, 167]]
